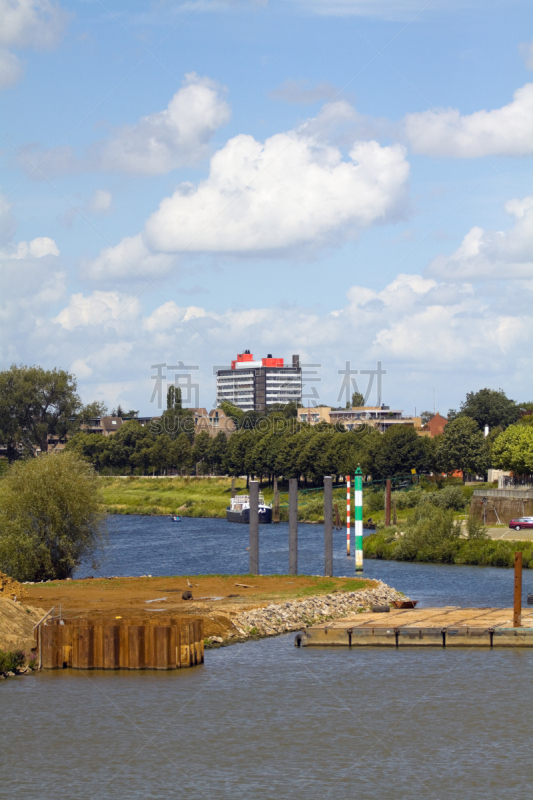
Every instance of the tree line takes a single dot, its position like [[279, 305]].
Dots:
[[35, 403]]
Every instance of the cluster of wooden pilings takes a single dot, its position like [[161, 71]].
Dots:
[[293, 524], [141, 643]]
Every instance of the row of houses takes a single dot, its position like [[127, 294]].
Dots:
[[380, 417]]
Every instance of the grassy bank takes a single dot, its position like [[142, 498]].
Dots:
[[475, 552], [187, 497]]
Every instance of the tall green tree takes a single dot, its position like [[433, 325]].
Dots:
[[200, 450], [126, 443], [160, 453], [513, 450], [216, 454], [33, 404], [396, 452], [357, 400], [181, 453], [462, 447], [50, 517], [92, 447], [488, 407]]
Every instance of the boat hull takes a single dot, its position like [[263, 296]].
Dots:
[[265, 516]]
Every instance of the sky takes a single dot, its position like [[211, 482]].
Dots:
[[347, 180]]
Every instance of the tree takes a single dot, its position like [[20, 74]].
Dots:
[[462, 447], [174, 397], [425, 416], [200, 449], [513, 450], [93, 410], [160, 454], [396, 452], [181, 453], [50, 517], [216, 453], [488, 407], [358, 400], [92, 447], [126, 444], [33, 404]]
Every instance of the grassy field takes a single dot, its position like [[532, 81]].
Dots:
[[187, 497]]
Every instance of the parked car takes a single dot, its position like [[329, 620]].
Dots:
[[521, 522]]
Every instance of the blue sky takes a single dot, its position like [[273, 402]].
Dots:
[[343, 179]]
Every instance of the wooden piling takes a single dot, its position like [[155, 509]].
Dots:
[[388, 487], [254, 527], [293, 526], [328, 526], [275, 504], [517, 609]]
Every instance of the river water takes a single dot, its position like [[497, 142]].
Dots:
[[267, 721]]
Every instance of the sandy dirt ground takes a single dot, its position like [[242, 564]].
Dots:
[[216, 598]]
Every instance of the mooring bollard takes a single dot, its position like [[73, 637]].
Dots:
[[328, 527], [358, 505], [254, 527], [293, 526]]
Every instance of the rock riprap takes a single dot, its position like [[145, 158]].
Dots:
[[293, 615]]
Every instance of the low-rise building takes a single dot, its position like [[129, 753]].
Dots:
[[434, 427], [380, 417], [213, 422]]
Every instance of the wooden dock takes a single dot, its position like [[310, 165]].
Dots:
[[169, 643], [450, 626]]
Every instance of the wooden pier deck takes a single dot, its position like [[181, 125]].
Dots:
[[449, 626]]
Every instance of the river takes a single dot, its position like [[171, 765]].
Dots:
[[264, 720]]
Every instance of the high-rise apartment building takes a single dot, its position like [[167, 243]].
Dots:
[[254, 385]]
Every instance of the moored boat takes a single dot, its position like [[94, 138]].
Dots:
[[239, 510]]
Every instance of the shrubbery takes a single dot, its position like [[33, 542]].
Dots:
[[432, 535], [11, 661]]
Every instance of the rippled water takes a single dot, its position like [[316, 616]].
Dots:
[[267, 721], [158, 546]]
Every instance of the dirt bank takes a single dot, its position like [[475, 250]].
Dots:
[[16, 625], [219, 599]]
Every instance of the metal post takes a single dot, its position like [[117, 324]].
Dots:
[[275, 505], [358, 504], [254, 527], [517, 611], [348, 521], [293, 526], [388, 487], [233, 492], [328, 527]]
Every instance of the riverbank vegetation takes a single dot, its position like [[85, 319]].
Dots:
[[50, 517], [432, 534]]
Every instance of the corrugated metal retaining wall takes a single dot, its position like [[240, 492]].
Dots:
[[120, 644]]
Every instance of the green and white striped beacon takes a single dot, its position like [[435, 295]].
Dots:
[[358, 507]]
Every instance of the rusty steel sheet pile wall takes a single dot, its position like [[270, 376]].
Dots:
[[169, 643]]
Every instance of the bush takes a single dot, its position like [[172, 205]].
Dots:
[[11, 661], [431, 534], [50, 517], [375, 500]]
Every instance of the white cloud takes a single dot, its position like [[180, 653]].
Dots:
[[35, 24], [99, 308], [499, 255], [130, 258], [502, 131], [101, 203], [154, 145]]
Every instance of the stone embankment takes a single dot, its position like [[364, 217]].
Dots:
[[294, 615]]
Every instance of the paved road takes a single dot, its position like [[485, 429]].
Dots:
[[511, 534]]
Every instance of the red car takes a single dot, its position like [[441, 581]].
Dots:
[[521, 522]]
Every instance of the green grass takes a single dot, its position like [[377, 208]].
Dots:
[[185, 497]]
